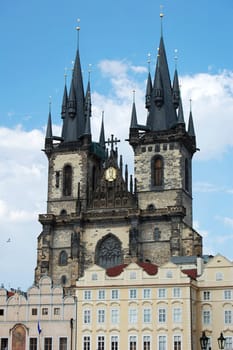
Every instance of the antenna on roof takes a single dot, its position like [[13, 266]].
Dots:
[[78, 30], [161, 18]]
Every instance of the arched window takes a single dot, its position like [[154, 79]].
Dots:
[[63, 258], [157, 171], [63, 280], [67, 180], [108, 252], [186, 175]]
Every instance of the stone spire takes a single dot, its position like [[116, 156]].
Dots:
[[102, 133], [134, 122], [161, 113]]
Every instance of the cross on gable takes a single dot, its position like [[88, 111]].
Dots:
[[112, 141]]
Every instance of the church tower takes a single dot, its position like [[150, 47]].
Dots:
[[96, 212], [163, 151]]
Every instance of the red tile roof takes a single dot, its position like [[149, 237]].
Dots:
[[191, 273], [151, 269]]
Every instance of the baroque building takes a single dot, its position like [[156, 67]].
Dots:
[[96, 212]]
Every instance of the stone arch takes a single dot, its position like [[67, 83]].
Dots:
[[109, 251]]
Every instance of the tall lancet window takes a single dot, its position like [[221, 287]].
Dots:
[[157, 171], [67, 180], [187, 176]]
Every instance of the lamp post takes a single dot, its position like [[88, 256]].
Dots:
[[221, 341], [204, 341]]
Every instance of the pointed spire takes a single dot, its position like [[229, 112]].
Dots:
[[148, 86], [161, 114], [102, 133], [49, 133], [176, 90], [158, 87], [191, 130], [64, 112], [134, 122], [180, 118]]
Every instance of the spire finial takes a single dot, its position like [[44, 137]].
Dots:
[[89, 71], [65, 74], [190, 104], [176, 57], [50, 103], [78, 30], [148, 60], [134, 96], [161, 18]]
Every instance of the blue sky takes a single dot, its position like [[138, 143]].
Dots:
[[38, 40]]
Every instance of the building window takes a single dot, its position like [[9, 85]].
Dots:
[[34, 311], [162, 315], [56, 311], [133, 293], [162, 342], [1, 312], [87, 295], [94, 277], [206, 295], [47, 343], [146, 342], [157, 234], [114, 342], [177, 315], [100, 342], [219, 276], [100, 316], [63, 280], [62, 343], [133, 316], [115, 316], [146, 293], [132, 342], [147, 315], [206, 317], [4, 343], [45, 311], [177, 342], [87, 316], [86, 343], [101, 294], [227, 294], [157, 171], [176, 292], [227, 316], [67, 180], [162, 293], [132, 275], [63, 257], [228, 343], [115, 294], [32, 344], [186, 175], [169, 274]]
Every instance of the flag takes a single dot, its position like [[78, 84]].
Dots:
[[38, 327]]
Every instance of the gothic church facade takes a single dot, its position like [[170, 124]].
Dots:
[[96, 212]]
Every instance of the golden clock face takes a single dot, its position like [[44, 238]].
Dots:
[[110, 174]]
